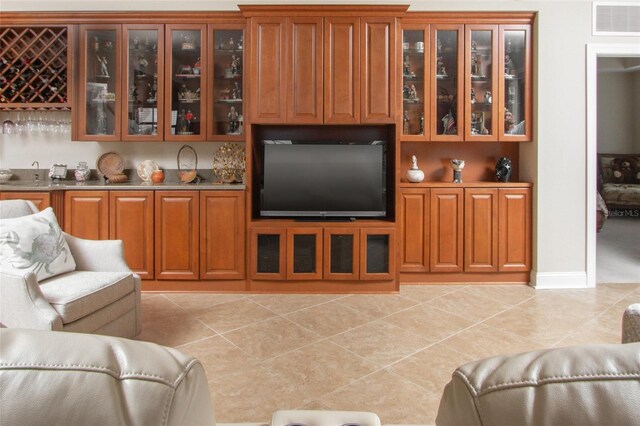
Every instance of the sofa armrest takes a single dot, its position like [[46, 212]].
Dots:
[[97, 255], [631, 324], [580, 385], [22, 304]]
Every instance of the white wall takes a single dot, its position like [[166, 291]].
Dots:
[[555, 162]]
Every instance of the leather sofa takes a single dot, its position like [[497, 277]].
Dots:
[[73, 378]]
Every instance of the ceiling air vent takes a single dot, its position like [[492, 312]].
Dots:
[[616, 18]]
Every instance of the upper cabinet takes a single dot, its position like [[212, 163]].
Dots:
[[99, 91], [226, 91], [319, 68], [515, 102], [143, 68], [186, 82], [465, 82]]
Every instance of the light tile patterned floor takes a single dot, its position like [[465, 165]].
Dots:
[[391, 354]]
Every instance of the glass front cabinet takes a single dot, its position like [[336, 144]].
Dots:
[[481, 82], [226, 103], [515, 83], [185, 82], [143, 93], [98, 118], [465, 82]]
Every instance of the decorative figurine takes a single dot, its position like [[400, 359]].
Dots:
[[197, 66], [104, 71], [405, 123], [509, 121], [147, 44], [189, 117], [231, 43], [188, 42], [474, 65], [415, 174], [422, 123], [233, 121], [413, 93], [153, 89], [108, 45], [101, 121], [236, 67], [239, 46], [133, 96], [439, 46], [457, 165], [182, 123], [237, 91], [503, 169], [508, 65], [449, 124], [96, 44], [136, 43], [487, 97], [406, 67], [406, 91], [142, 66], [474, 46], [473, 96]]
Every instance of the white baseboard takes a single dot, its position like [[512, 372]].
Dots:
[[558, 280]]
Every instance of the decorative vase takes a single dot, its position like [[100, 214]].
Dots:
[[157, 176], [415, 174], [457, 165], [82, 172]]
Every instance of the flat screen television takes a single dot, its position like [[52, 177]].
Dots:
[[323, 179]]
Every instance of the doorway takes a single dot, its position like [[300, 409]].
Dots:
[[594, 52]]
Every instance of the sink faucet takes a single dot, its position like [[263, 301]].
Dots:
[[36, 176]]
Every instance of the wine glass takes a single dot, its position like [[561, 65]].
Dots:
[[8, 127]]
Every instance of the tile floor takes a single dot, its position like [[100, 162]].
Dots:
[[391, 354]]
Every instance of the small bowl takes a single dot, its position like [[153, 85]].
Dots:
[[5, 175]]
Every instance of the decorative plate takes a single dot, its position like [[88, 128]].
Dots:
[[146, 168], [110, 164], [229, 163]]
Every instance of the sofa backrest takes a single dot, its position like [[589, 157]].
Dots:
[[49, 377], [581, 385], [16, 208]]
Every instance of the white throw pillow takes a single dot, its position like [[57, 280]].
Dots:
[[34, 243]]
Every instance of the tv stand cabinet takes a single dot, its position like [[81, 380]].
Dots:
[[323, 256]]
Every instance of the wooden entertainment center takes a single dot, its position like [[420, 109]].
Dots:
[[435, 85]]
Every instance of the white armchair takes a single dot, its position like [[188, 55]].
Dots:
[[101, 296]]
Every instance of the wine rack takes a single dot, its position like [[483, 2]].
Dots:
[[34, 67]]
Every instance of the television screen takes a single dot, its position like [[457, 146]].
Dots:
[[323, 180]]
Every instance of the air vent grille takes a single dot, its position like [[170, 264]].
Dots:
[[615, 19]]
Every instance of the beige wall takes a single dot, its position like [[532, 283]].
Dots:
[[618, 107], [555, 161]]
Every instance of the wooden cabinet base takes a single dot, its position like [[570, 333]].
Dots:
[[465, 278]]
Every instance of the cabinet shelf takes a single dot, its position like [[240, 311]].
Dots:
[[187, 75], [229, 101]]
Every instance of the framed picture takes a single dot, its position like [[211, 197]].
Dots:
[[58, 171]]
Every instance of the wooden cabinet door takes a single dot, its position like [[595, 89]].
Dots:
[[341, 254], [268, 253], [446, 229], [42, 200], [222, 235], [514, 229], [86, 214], [131, 220], [377, 254], [341, 70], [377, 56], [176, 231], [304, 253], [480, 230], [304, 81], [268, 75], [414, 230]]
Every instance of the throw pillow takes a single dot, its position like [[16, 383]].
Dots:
[[34, 243]]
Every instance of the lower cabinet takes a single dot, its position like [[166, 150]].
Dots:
[[42, 200], [469, 229], [167, 235], [316, 253]]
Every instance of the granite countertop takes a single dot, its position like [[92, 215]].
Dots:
[[67, 185], [24, 180]]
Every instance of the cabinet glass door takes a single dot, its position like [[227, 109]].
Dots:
[[414, 83], [515, 84], [447, 43], [186, 80], [304, 253], [341, 250], [377, 254], [227, 111], [268, 257], [481, 83], [144, 53], [99, 118]]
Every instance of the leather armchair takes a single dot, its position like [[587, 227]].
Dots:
[[101, 296]]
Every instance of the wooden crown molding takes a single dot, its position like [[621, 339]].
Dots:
[[470, 17], [67, 18], [322, 10]]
